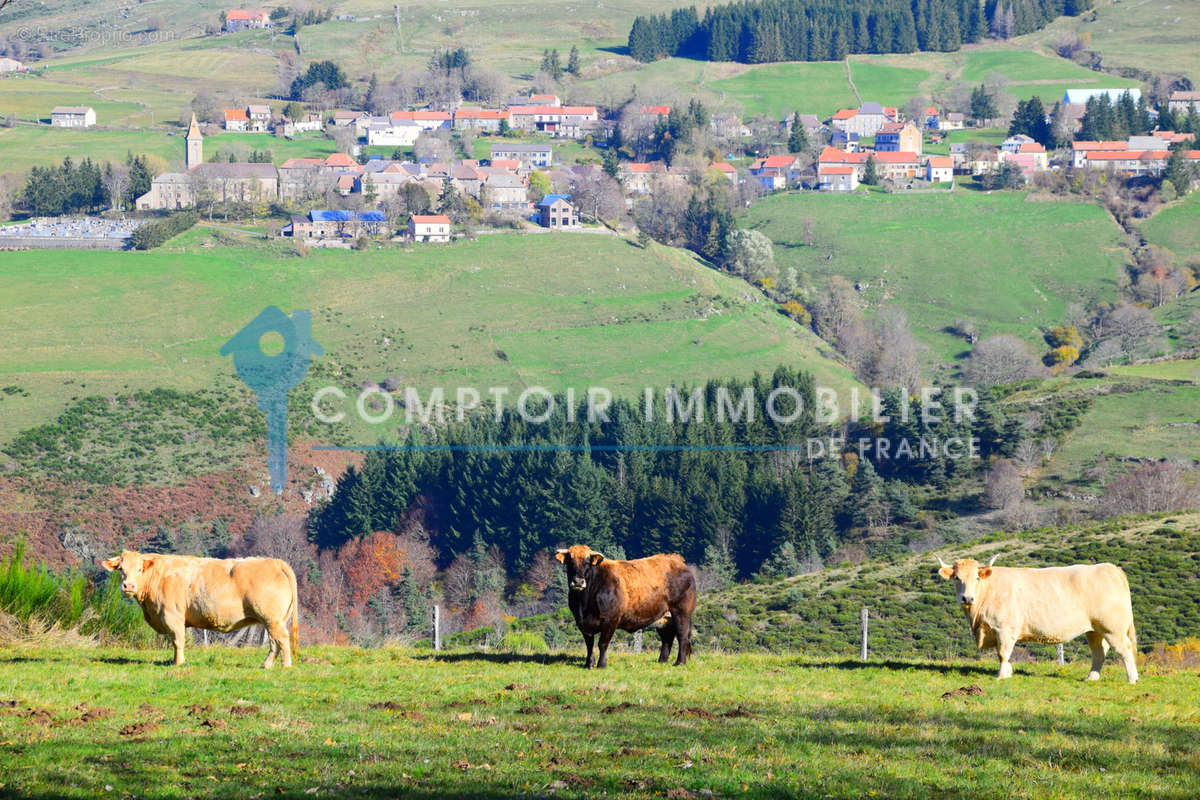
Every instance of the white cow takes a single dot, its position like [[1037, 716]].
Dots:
[[1005, 605]]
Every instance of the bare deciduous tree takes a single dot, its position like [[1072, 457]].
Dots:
[[999, 360], [1164, 486], [1003, 487]]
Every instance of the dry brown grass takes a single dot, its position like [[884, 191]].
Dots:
[[37, 632]]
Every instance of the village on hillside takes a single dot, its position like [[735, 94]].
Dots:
[[446, 165]]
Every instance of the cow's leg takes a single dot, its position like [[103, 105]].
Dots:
[[1099, 651], [280, 645], [683, 632], [605, 637], [1120, 642], [667, 635], [589, 639], [178, 635], [1005, 642]]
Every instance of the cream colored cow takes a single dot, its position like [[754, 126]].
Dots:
[[215, 594], [1005, 605]]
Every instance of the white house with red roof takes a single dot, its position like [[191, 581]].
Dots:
[[428, 120], [241, 19], [837, 178], [833, 157], [939, 169], [236, 119], [429, 228]]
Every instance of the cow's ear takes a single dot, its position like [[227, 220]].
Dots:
[[147, 564], [561, 555], [985, 571], [595, 558], [946, 572], [111, 563]]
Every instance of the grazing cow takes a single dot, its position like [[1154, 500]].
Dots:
[[1004, 605], [215, 594], [630, 595]]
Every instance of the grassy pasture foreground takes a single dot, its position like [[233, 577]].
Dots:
[[468, 724]]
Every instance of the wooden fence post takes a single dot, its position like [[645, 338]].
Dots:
[[864, 633], [637, 641], [437, 628]]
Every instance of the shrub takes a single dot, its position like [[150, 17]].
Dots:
[[1063, 356], [153, 234]]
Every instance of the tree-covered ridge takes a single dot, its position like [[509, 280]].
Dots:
[[829, 30], [714, 490]]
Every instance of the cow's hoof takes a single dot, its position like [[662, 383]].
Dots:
[[1092, 676]]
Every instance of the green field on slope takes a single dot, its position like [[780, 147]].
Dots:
[[913, 613], [508, 310], [403, 723], [1007, 263]]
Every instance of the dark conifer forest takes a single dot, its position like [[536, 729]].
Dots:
[[755, 32]]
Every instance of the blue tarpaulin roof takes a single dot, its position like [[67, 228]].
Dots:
[[338, 215], [550, 198]]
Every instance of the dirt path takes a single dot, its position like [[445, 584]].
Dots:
[[850, 80]]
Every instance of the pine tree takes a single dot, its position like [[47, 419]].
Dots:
[[573, 61], [162, 541], [798, 138], [612, 163], [783, 563], [1179, 172], [870, 172], [218, 538], [416, 604]]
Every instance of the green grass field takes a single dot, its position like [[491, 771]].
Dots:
[[1177, 228], [1155, 36], [1156, 422], [397, 722], [507, 310], [1009, 264]]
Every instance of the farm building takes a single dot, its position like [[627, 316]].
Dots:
[[241, 19], [335, 224], [73, 117]]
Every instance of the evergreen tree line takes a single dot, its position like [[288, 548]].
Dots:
[[1103, 119], [71, 188], [829, 30], [638, 485]]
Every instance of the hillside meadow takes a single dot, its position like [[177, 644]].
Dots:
[[1003, 260], [507, 310], [393, 722]]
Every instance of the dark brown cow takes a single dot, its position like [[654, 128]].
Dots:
[[630, 595]]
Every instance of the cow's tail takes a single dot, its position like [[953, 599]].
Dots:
[[1132, 634], [295, 626]]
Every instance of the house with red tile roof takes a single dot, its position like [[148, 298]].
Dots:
[[479, 119], [837, 178], [939, 169], [897, 166], [240, 19], [429, 228], [236, 119]]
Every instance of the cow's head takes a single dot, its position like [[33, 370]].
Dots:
[[133, 566], [581, 562], [968, 575]]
